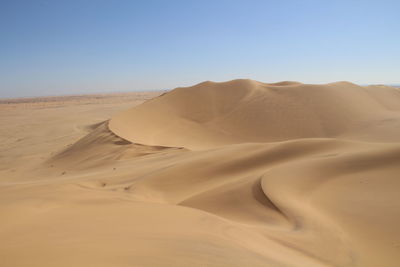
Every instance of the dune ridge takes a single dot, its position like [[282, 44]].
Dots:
[[239, 173], [213, 114]]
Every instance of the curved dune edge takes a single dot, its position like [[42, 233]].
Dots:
[[213, 114], [298, 202]]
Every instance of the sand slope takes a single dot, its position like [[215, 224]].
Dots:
[[240, 173], [214, 114]]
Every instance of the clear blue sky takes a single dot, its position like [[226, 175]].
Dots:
[[67, 47]]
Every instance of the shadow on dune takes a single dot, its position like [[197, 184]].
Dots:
[[285, 162]]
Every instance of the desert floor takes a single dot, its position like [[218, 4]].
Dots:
[[240, 173]]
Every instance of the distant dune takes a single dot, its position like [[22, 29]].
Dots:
[[242, 111], [239, 173]]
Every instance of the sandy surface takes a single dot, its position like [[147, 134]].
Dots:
[[240, 173]]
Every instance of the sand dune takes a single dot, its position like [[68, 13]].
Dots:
[[214, 114], [240, 173]]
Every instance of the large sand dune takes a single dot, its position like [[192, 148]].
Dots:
[[240, 173], [242, 111]]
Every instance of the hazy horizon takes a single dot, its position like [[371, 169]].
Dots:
[[86, 47], [77, 93]]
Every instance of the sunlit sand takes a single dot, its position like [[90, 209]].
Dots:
[[240, 173]]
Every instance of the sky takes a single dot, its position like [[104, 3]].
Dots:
[[91, 46]]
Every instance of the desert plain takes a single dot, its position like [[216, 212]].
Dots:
[[238, 173]]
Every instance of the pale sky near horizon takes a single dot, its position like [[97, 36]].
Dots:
[[70, 47]]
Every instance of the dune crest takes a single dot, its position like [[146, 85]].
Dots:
[[241, 111]]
